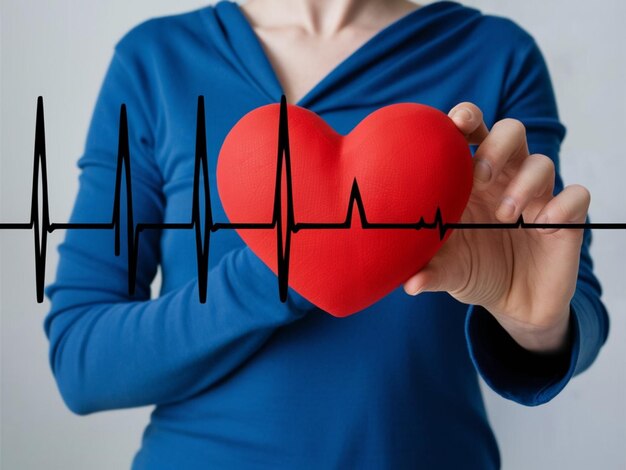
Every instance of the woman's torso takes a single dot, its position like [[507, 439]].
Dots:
[[390, 387]]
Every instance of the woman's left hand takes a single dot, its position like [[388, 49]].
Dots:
[[524, 278]]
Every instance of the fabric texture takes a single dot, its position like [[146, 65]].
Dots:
[[245, 381]]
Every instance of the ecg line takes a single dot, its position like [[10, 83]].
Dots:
[[123, 167]]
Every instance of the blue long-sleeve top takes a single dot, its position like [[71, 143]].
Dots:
[[244, 380]]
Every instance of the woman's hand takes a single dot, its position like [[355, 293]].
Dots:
[[525, 278]]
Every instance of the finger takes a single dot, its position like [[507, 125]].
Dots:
[[534, 180], [440, 274], [469, 119], [569, 206], [506, 142], [428, 279]]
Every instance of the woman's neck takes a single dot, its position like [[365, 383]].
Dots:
[[326, 17]]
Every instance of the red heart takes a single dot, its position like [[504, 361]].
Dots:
[[408, 160]]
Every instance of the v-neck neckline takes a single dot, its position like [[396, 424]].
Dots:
[[254, 46]]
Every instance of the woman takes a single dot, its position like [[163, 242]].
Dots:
[[245, 381]]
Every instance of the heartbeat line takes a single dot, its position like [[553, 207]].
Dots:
[[45, 227]]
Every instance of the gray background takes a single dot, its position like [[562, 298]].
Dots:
[[61, 49]]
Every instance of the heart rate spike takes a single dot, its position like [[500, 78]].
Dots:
[[40, 228]]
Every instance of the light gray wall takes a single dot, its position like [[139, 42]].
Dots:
[[60, 50]]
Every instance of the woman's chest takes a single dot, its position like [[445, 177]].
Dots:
[[300, 62], [229, 93]]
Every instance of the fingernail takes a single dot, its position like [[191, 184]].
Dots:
[[462, 114], [507, 207], [482, 171]]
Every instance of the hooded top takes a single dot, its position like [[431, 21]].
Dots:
[[244, 380]]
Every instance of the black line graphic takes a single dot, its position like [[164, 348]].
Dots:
[[204, 229]]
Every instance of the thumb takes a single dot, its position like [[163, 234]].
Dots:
[[428, 279]]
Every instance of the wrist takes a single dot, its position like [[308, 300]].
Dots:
[[545, 339]]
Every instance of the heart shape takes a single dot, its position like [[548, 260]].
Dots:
[[408, 160]]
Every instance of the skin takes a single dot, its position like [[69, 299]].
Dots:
[[306, 39], [524, 278]]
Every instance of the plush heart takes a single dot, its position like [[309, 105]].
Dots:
[[408, 160]]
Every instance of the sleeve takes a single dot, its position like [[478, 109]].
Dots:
[[110, 350], [511, 371]]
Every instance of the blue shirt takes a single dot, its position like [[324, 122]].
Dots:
[[245, 381]]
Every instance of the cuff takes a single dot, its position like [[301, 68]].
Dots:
[[513, 372]]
